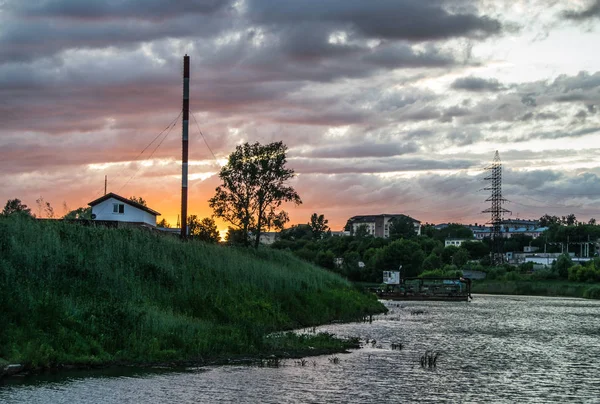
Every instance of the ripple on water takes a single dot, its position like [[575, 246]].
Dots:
[[495, 349]]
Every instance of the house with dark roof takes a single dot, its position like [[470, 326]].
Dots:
[[115, 208]]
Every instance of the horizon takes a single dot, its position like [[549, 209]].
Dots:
[[379, 113]]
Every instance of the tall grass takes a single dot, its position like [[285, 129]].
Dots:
[[70, 294]]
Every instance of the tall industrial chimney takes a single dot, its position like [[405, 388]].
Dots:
[[184, 140]]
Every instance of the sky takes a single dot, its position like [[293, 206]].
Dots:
[[386, 106]]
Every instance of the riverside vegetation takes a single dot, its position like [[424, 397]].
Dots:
[[361, 257], [71, 294]]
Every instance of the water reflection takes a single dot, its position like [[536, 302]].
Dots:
[[494, 349]]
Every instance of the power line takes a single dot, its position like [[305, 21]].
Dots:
[[202, 134]]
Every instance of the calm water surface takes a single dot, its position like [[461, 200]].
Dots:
[[504, 349]]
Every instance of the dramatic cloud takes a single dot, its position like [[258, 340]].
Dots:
[[592, 11], [476, 84], [385, 105]]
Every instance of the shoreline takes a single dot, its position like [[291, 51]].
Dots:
[[271, 359], [549, 288]]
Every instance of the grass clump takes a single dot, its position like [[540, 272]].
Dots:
[[75, 294]]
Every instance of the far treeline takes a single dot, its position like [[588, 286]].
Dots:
[[362, 257]]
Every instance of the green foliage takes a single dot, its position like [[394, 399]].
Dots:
[[402, 227], [400, 252], [138, 200], [587, 273], [204, 230], [460, 257], [562, 265], [296, 232], [432, 262], [164, 224], [253, 189], [80, 213], [453, 230], [14, 206], [450, 272], [476, 249], [592, 292], [86, 294], [318, 226]]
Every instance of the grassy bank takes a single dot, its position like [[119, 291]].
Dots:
[[537, 288], [74, 294]]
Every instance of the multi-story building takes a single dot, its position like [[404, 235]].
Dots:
[[378, 225]]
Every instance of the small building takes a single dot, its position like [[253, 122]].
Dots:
[[457, 242], [115, 208]]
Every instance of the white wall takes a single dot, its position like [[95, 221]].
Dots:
[[104, 211]]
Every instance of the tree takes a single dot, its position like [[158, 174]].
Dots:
[[460, 257], [547, 220], [476, 249], [164, 224], [569, 220], [79, 213], [44, 207], [14, 206], [592, 221], [205, 229], [236, 237], [362, 231], [400, 252], [433, 261], [318, 226], [254, 189], [297, 232], [562, 265], [402, 227], [139, 200]]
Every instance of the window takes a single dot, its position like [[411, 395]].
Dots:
[[118, 208]]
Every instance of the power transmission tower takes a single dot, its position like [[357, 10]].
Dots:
[[497, 211]]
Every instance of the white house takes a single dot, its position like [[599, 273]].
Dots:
[[115, 208]]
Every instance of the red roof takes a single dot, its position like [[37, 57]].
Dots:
[[124, 200]]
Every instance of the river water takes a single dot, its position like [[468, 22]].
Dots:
[[501, 349]]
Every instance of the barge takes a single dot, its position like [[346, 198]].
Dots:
[[440, 289]]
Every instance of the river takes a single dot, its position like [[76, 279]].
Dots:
[[501, 349]]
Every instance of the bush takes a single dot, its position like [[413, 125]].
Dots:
[[592, 292]]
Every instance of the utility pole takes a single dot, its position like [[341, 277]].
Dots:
[[105, 183], [184, 141]]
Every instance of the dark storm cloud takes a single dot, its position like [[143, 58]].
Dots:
[[113, 9], [590, 12], [381, 165], [530, 180], [476, 84], [411, 20], [359, 150]]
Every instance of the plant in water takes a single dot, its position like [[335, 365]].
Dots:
[[429, 359]]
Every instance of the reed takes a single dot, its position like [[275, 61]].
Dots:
[[75, 294]]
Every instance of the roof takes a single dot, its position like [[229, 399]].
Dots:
[[372, 217], [124, 200]]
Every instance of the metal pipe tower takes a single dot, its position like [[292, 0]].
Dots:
[[496, 210], [184, 140]]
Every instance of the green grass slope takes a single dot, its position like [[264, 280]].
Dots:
[[75, 294]]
